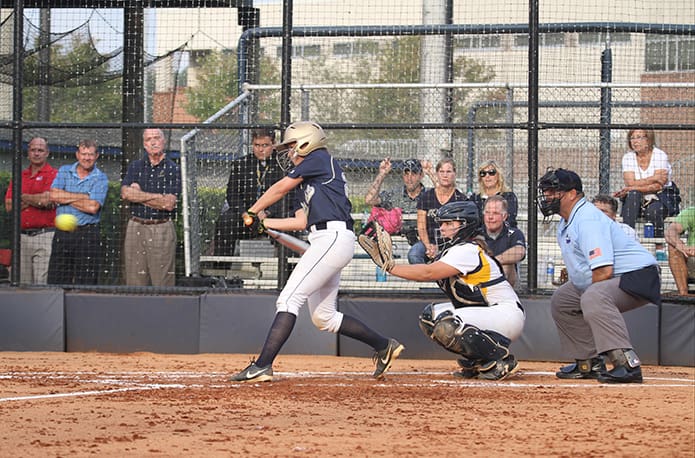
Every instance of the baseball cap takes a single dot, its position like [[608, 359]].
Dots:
[[562, 180], [413, 165]]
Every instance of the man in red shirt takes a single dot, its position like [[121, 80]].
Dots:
[[37, 215]]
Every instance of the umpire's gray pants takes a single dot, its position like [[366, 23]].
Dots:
[[591, 323]]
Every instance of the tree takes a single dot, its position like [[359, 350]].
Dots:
[[217, 85], [398, 62], [82, 87]]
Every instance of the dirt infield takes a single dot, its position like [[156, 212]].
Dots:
[[89, 404]]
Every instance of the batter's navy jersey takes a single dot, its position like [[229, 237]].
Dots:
[[323, 192]]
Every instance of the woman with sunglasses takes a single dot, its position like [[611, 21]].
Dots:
[[491, 183]]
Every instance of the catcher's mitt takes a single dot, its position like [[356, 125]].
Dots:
[[253, 223], [377, 243]]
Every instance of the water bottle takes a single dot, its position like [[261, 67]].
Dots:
[[549, 271], [380, 274], [648, 230], [661, 252]]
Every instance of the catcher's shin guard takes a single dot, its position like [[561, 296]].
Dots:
[[468, 340]]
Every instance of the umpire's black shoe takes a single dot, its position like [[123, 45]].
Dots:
[[622, 374], [583, 369]]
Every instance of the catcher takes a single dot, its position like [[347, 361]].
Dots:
[[484, 315]]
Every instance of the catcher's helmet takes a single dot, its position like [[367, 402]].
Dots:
[[556, 180], [307, 135], [465, 211]]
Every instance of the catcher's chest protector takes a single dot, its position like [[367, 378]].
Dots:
[[465, 290]]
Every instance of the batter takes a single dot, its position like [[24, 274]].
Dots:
[[322, 207]]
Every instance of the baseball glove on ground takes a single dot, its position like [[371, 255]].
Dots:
[[377, 243]]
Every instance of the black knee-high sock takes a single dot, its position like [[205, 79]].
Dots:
[[352, 327], [277, 336]]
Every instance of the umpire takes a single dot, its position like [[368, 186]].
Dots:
[[609, 274]]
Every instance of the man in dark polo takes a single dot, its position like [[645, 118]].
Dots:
[[151, 186], [506, 243]]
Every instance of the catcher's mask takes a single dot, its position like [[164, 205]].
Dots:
[[465, 211], [300, 139], [556, 181]]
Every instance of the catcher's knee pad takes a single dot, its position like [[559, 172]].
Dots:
[[468, 340], [426, 320], [327, 320]]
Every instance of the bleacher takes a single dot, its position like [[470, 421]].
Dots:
[[257, 264]]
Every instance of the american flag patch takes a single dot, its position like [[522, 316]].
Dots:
[[595, 253]]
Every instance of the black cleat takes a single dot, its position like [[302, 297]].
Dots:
[[583, 369], [622, 374]]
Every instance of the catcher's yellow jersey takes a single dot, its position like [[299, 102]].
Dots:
[[480, 281]]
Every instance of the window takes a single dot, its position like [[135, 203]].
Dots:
[[600, 38], [306, 51], [478, 41], [669, 53], [544, 39], [356, 49]]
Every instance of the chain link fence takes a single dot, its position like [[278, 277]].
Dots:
[[385, 80]]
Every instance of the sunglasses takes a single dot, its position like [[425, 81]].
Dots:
[[492, 173]]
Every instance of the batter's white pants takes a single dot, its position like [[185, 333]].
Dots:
[[316, 277]]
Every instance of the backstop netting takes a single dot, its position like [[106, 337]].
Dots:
[[414, 79]]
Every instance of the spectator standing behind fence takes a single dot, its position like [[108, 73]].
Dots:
[[429, 202], [80, 190], [681, 256], [491, 183], [249, 178], [37, 214], [646, 171], [507, 244], [404, 197], [609, 206], [609, 274], [152, 186]]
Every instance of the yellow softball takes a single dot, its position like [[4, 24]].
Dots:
[[66, 222]]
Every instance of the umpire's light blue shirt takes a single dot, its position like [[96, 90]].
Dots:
[[96, 184], [589, 240]]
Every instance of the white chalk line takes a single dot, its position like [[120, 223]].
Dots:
[[133, 381]]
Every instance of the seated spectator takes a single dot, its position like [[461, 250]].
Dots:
[[681, 256], [506, 243], [429, 202], [647, 174], [401, 197], [609, 206], [491, 183]]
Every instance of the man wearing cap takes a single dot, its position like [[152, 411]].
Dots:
[[609, 274], [404, 197]]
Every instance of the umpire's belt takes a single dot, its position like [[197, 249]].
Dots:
[[149, 221], [328, 225], [37, 231]]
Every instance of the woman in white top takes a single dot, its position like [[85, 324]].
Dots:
[[646, 171]]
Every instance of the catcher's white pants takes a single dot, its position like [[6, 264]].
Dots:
[[506, 318], [316, 277]]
